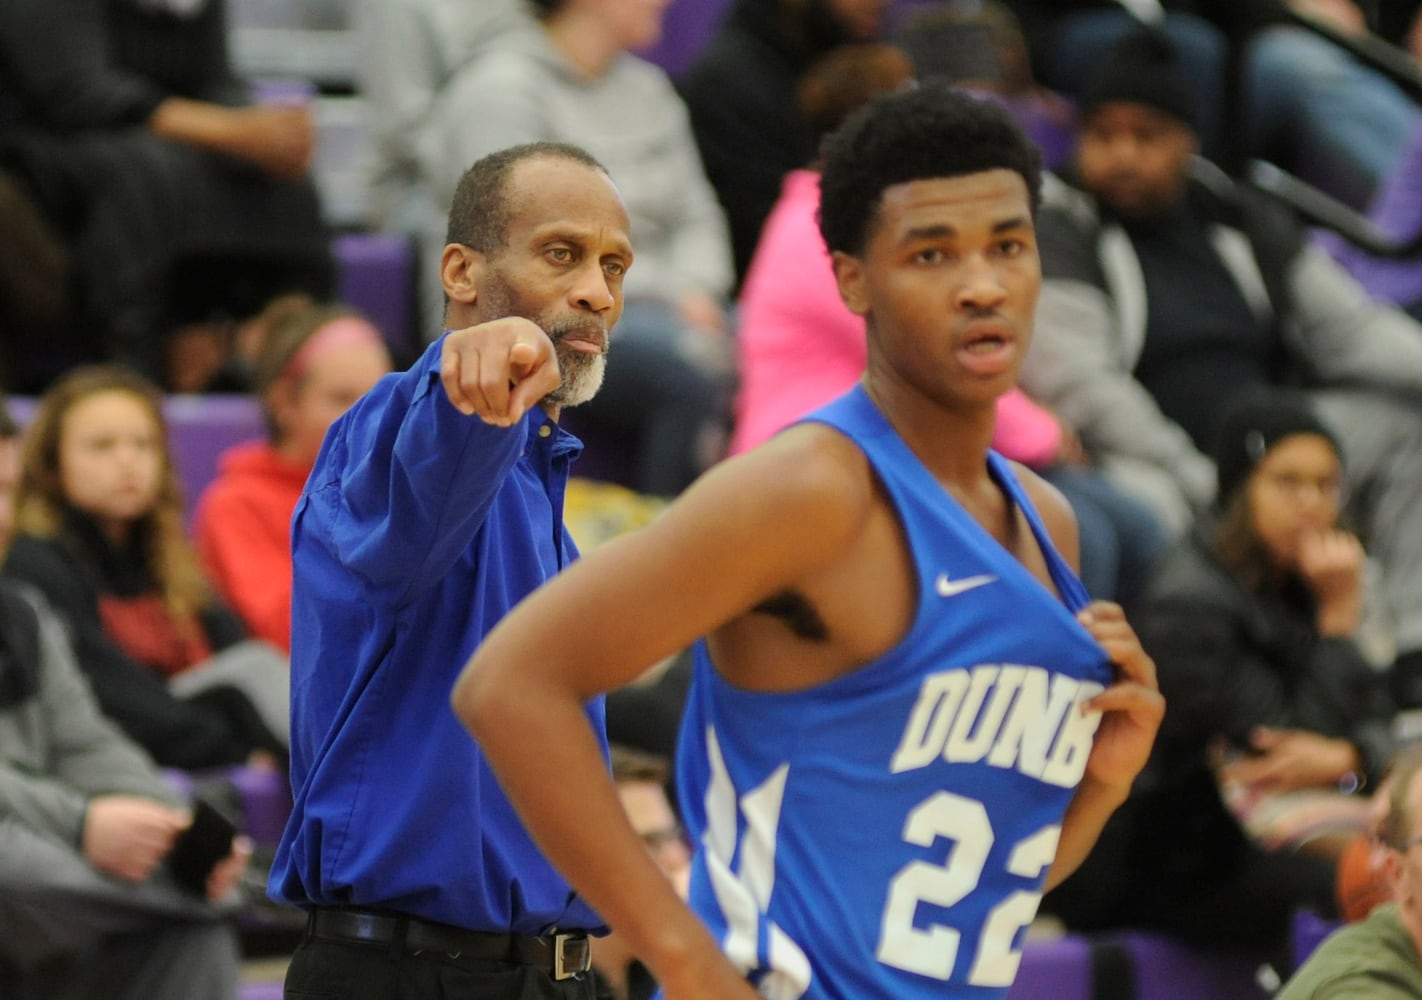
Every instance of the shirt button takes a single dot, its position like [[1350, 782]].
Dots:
[[544, 431]]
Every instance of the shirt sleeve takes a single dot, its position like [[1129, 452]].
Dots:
[[405, 481]]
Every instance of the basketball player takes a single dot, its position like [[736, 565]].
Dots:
[[905, 720]]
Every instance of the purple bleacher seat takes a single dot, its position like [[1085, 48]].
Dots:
[[265, 990], [1308, 930], [377, 275], [200, 429], [1057, 969], [685, 29], [1169, 969], [265, 798]]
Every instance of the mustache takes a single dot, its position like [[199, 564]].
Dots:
[[559, 329]]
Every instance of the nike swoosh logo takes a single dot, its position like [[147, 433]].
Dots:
[[952, 588]]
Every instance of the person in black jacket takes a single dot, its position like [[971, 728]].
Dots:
[[740, 92], [190, 202], [1256, 624]]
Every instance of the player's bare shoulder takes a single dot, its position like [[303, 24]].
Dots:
[[819, 465], [809, 488]]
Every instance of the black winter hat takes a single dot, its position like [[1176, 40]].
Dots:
[[1142, 68], [1254, 424]]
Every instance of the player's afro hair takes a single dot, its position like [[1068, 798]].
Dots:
[[928, 132]]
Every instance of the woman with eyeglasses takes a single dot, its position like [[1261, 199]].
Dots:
[[1275, 714]]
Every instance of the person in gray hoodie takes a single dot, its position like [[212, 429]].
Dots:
[[670, 381]]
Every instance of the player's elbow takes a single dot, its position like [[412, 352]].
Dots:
[[476, 696]]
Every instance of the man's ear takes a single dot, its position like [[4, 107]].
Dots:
[[460, 269], [849, 275]]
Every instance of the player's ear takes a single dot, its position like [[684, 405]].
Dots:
[[849, 275], [460, 270]]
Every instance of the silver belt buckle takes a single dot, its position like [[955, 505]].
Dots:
[[572, 955]]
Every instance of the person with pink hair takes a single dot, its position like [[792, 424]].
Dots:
[[316, 361]]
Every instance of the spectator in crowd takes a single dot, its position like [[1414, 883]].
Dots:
[[1276, 717], [800, 346], [101, 536], [124, 123], [1168, 292], [576, 81], [1378, 958], [1363, 883], [740, 92], [842, 575], [641, 781], [90, 900], [421, 525], [979, 45], [1260, 84], [409, 51], [315, 362]]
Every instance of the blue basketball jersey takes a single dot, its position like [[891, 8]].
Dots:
[[886, 834]]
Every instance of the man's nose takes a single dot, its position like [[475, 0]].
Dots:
[[592, 290]]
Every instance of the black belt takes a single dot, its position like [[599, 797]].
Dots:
[[562, 956]]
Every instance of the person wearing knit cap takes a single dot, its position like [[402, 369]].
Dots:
[[1254, 621], [1144, 68], [1168, 292]]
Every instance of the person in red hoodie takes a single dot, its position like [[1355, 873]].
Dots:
[[315, 362]]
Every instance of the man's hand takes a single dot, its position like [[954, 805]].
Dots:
[[498, 370], [127, 836], [224, 875], [1132, 708]]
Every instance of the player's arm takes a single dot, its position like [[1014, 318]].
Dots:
[[1132, 707], [748, 529], [1131, 712]]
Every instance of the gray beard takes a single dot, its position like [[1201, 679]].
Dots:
[[582, 377]]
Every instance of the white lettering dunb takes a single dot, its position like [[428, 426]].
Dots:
[[1011, 715], [1029, 731], [1068, 760], [932, 715], [976, 728]]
